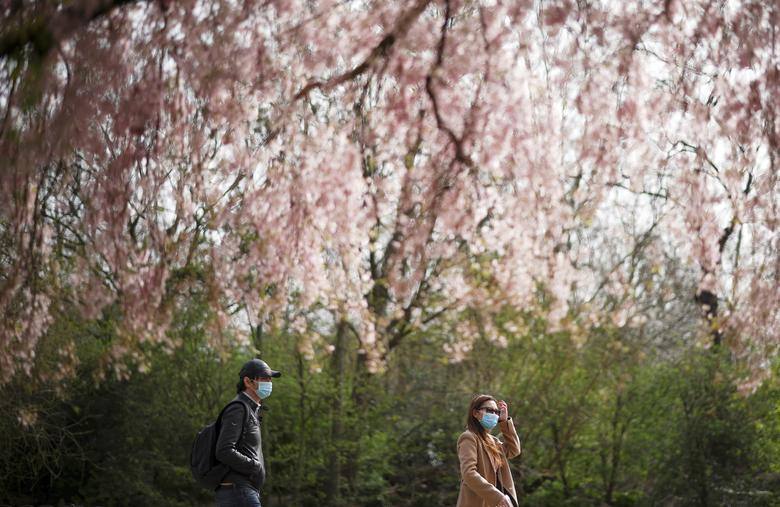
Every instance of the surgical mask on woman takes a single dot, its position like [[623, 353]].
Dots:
[[489, 420]]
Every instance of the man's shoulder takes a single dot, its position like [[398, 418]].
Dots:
[[236, 405], [232, 407]]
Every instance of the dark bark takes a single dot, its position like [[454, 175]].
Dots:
[[333, 482]]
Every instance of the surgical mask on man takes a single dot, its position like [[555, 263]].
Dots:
[[264, 389], [489, 420]]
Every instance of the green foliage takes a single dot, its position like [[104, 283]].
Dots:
[[603, 421], [709, 436]]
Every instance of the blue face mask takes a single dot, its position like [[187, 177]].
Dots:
[[489, 420], [264, 389]]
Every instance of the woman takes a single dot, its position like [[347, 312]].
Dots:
[[486, 480]]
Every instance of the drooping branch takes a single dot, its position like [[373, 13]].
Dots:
[[708, 299], [460, 154], [380, 52]]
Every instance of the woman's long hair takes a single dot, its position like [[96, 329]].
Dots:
[[473, 424]]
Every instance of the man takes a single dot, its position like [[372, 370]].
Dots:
[[239, 445]]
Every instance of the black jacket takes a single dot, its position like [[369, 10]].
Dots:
[[239, 445]]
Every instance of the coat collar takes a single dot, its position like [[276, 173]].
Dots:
[[249, 401]]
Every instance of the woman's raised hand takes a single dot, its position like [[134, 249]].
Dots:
[[504, 409]]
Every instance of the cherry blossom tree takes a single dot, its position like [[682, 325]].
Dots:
[[387, 161]]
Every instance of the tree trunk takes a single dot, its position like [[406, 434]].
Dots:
[[300, 472], [257, 337], [559, 459], [333, 483]]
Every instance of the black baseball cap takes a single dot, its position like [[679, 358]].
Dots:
[[257, 368]]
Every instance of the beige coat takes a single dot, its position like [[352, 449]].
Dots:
[[477, 477]]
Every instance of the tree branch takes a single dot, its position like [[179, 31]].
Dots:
[[460, 154], [381, 51]]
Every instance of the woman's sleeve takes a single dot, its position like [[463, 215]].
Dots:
[[511, 443], [467, 454]]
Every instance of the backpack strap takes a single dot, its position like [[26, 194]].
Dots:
[[218, 424]]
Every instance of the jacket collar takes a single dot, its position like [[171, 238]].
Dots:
[[252, 403]]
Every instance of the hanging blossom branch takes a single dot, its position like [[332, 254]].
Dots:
[[460, 154], [381, 51]]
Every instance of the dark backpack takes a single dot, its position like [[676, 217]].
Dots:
[[207, 471]]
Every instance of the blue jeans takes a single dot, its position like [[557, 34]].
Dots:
[[238, 496]]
